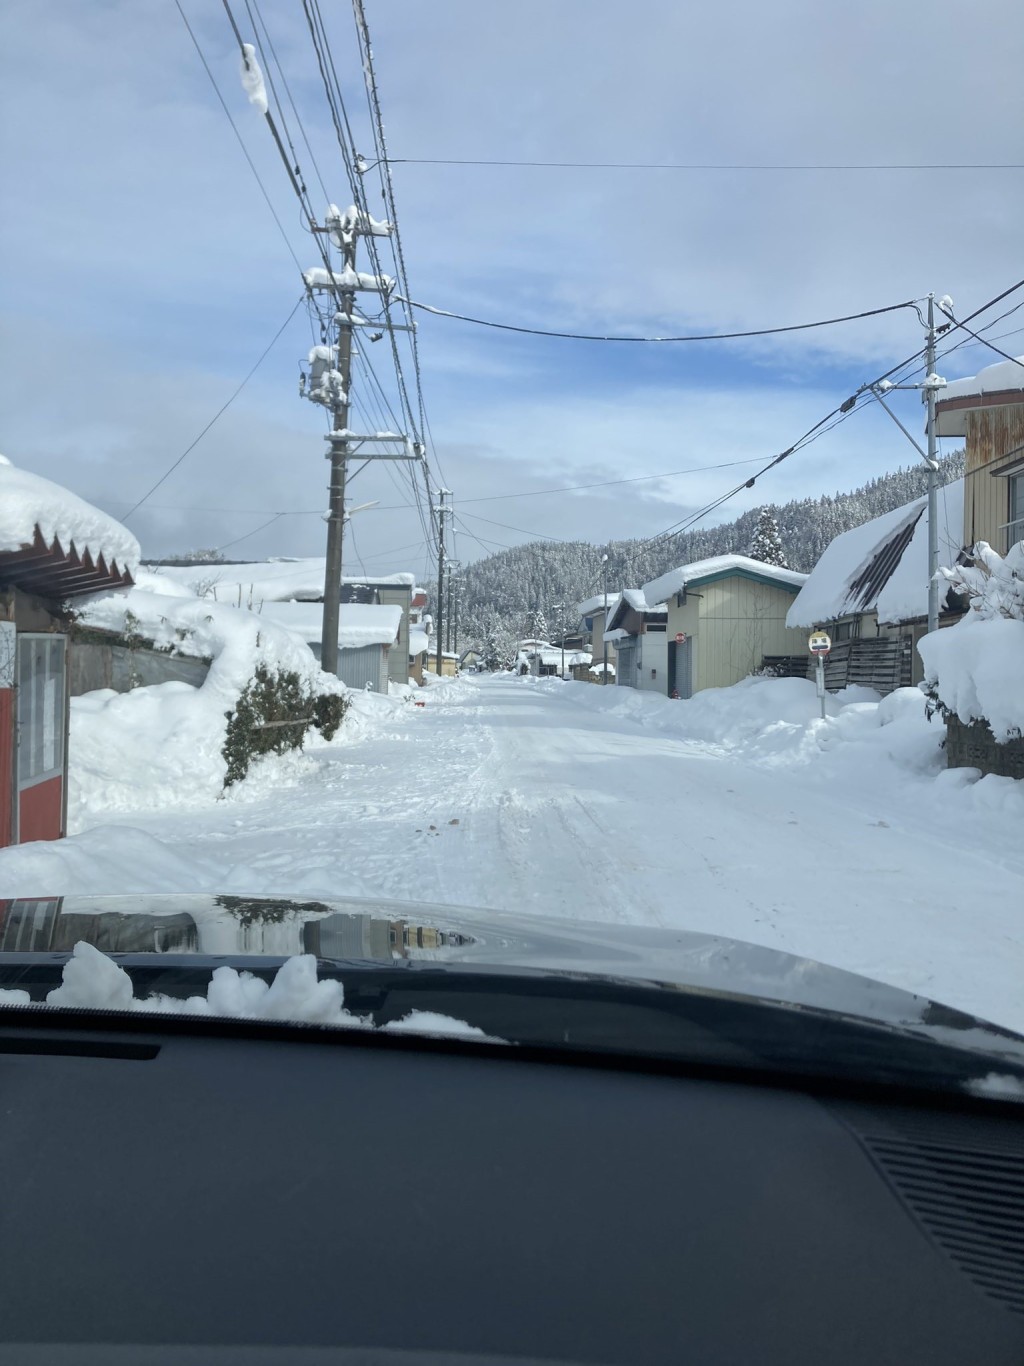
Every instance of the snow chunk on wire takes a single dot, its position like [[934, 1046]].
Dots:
[[252, 78]]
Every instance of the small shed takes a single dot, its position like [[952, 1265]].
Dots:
[[869, 590], [54, 548], [724, 616], [367, 634], [636, 625]]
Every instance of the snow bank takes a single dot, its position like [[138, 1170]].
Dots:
[[161, 747], [976, 669], [92, 981], [28, 501], [276, 580]]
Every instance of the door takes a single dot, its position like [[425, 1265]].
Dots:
[[680, 667], [42, 733]]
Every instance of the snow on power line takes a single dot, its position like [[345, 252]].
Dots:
[[252, 78]]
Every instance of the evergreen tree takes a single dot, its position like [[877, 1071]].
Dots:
[[536, 625], [766, 543]]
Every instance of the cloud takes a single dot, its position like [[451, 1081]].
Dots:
[[145, 273]]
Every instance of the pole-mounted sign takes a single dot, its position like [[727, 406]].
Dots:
[[820, 643]]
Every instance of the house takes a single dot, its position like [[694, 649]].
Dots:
[[54, 548], [725, 617], [595, 613], [987, 411], [638, 632], [449, 663], [368, 636], [869, 590], [254, 584]]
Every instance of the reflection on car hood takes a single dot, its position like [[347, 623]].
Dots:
[[235, 929]]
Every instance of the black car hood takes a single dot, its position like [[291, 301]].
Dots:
[[244, 931]]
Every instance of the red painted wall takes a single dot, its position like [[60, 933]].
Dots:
[[6, 766], [41, 810]]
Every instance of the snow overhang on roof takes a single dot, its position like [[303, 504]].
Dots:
[[720, 567], [992, 387], [881, 566], [592, 605], [55, 544]]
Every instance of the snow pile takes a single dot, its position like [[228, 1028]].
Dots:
[[252, 78], [162, 746], [276, 580], [976, 668], [28, 501], [92, 981]]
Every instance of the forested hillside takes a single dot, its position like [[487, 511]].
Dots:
[[501, 593]]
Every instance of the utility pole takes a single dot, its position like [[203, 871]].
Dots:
[[329, 384], [932, 384], [559, 607], [933, 475], [442, 510], [604, 617], [338, 456]]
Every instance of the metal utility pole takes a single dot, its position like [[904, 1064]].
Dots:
[[933, 475], [604, 617], [932, 384], [559, 607], [442, 510]]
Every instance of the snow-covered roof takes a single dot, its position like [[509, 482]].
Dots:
[[638, 600], [418, 641], [28, 501], [882, 565], [593, 605], [1005, 377], [276, 580], [661, 589], [617, 634], [359, 623]]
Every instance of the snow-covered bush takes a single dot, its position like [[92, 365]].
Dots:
[[273, 714], [975, 669]]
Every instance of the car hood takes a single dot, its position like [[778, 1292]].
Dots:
[[255, 931]]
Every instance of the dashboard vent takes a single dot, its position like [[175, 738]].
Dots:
[[964, 1180]]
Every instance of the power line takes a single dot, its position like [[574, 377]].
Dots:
[[701, 337], [234, 127], [985, 342], [217, 414], [540, 535], [238, 539], [838, 413], [712, 166]]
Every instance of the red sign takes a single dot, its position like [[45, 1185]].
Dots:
[[680, 637]]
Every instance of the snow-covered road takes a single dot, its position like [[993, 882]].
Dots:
[[512, 795]]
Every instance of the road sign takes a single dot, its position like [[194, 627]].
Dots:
[[680, 637], [819, 643]]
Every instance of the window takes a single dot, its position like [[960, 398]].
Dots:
[[40, 707], [1015, 526]]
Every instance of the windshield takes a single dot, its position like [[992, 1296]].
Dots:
[[557, 482]]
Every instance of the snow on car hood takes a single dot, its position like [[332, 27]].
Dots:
[[221, 929]]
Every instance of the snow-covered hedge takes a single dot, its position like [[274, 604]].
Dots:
[[975, 670]]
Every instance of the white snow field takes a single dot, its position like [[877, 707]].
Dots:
[[739, 813]]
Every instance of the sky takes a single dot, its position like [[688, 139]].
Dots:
[[144, 275]]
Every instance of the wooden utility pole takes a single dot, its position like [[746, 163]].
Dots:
[[338, 456]]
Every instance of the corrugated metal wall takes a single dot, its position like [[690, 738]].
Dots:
[[368, 664], [740, 622]]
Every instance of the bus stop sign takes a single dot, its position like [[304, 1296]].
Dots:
[[819, 643]]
